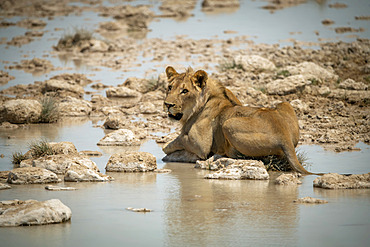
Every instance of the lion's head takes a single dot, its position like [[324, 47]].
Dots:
[[184, 93]]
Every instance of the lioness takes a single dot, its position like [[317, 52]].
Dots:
[[215, 122]]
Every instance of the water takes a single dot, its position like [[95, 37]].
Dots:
[[188, 210]]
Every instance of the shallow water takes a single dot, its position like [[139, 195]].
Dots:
[[189, 210]]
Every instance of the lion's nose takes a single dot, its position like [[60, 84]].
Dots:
[[168, 105]]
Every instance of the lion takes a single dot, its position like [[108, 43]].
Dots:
[[214, 121]]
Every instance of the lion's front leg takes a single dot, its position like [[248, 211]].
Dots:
[[173, 146]]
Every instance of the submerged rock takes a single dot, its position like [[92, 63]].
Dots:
[[31, 212], [139, 210], [211, 4], [78, 173], [288, 179], [59, 188], [310, 200], [337, 181], [32, 175], [121, 137], [131, 162], [20, 111]]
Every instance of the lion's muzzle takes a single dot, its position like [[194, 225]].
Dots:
[[171, 111]]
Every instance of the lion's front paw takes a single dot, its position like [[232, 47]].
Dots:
[[166, 148]]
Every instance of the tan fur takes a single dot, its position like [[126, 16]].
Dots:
[[215, 122]]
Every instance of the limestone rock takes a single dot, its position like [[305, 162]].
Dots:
[[63, 147], [288, 179], [131, 162], [5, 77], [148, 108], [352, 85], [337, 181], [122, 92], [254, 63], [299, 105], [139, 210], [139, 84], [210, 4], [78, 173], [288, 85], [239, 169], [31, 212], [73, 107], [73, 79], [53, 85], [60, 163], [310, 200], [115, 121], [22, 111], [121, 137], [4, 186], [32, 175], [4, 176], [59, 188], [90, 153], [181, 156], [310, 70]]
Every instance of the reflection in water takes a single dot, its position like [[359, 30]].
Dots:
[[221, 212]]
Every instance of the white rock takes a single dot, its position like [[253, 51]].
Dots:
[[62, 85], [4, 186], [59, 188], [352, 85], [60, 163], [310, 70], [63, 147], [78, 173], [131, 162], [310, 200], [254, 63], [121, 137], [73, 107], [22, 111], [287, 85], [337, 181], [288, 179], [32, 175], [122, 92], [31, 212], [239, 169]]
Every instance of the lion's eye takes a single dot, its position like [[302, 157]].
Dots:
[[184, 91], [169, 88]]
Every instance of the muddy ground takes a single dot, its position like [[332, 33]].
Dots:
[[332, 102]]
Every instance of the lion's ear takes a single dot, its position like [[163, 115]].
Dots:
[[170, 71], [200, 78]]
